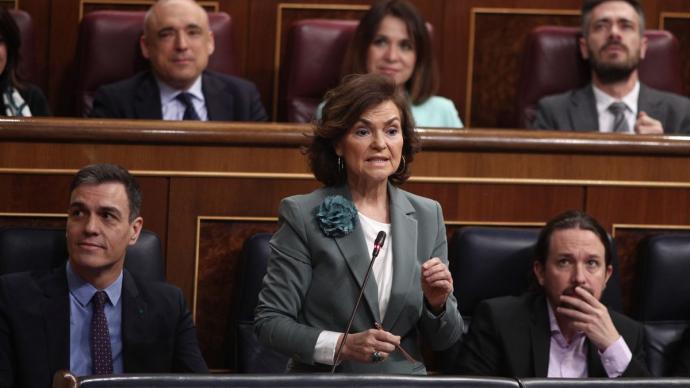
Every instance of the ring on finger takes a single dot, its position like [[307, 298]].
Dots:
[[376, 356]]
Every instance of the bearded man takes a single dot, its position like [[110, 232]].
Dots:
[[561, 329], [613, 43]]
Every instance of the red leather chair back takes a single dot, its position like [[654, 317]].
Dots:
[[108, 50], [551, 64], [314, 57], [28, 68], [313, 60]]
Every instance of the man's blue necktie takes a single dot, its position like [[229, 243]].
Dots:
[[189, 111]]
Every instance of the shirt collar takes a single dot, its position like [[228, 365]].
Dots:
[[604, 100], [83, 291], [168, 93]]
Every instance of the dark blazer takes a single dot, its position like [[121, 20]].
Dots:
[[510, 337], [34, 97], [313, 280], [576, 110], [227, 98], [158, 334]]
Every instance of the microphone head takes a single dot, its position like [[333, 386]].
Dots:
[[380, 238], [378, 243]]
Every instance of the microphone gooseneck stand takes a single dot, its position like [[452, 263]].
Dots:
[[378, 243]]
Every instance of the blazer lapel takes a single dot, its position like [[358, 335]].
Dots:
[[583, 110], [541, 337], [651, 106], [219, 103], [135, 322], [148, 99], [55, 308], [353, 248], [405, 261]]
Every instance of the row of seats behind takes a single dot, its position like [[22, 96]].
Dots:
[[108, 51]]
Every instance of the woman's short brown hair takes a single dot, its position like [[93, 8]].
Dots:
[[424, 80], [344, 106]]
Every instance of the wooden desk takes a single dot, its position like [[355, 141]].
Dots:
[[207, 186]]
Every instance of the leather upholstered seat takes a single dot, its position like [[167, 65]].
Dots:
[[252, 356], [552, 64], [108, 50], [663, 297], [488, 262], [27, 249], [313, 60]]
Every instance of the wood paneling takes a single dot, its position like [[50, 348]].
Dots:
[[679, 25], [478, 62], [497, 41], [38, 194], [470, 203], [41, 21], [217, 251], [20, 220], [88, 6], [62, 49], [219, 283]]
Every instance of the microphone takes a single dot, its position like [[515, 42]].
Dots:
[[378, 244]]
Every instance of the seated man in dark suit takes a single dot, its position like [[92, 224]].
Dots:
[[177, 41], [91, 316], [613, 42], [562, 330]]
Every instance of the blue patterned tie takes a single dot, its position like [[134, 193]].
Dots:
[[101, 353], [189, 111]]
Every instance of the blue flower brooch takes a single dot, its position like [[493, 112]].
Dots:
[[336, 216]]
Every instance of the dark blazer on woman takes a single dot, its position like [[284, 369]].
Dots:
[[312, 282]]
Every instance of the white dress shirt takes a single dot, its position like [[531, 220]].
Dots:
[[173, 109], [606, 117]]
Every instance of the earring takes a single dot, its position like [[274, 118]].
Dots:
[[401, 167], [341, 167]]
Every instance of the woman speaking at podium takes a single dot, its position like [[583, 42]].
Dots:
[[361, 151]]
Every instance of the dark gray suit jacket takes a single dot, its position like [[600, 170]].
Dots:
[[510, 337], [227, 99], [312, 283], [158, 334], [576, 110]]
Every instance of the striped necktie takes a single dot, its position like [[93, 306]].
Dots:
[[189, 111], [620, 124]]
